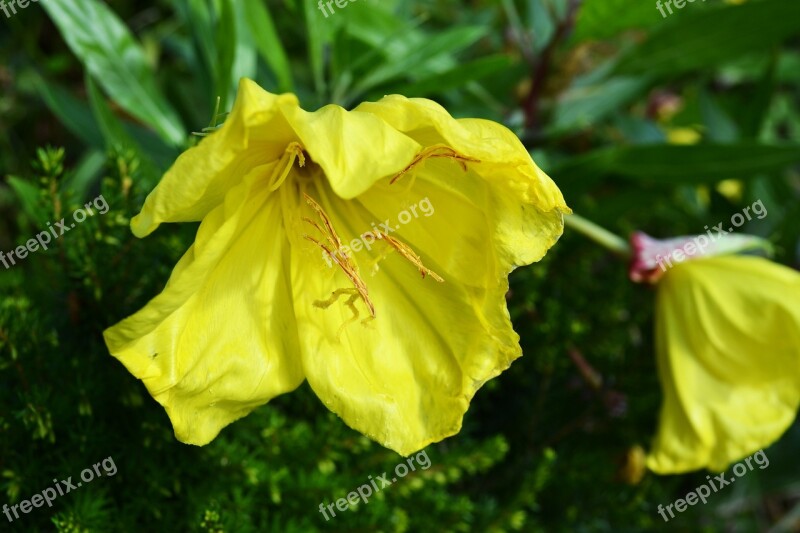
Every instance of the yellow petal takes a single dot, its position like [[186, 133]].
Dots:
[[253, 134], [728, 347], [355, 149], [406, 377], [221, 339], [523, 197]]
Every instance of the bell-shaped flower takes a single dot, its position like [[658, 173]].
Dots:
[[365, 251], [728, 348]]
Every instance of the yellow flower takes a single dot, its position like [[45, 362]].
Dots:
[[365, 251], [728, 349]]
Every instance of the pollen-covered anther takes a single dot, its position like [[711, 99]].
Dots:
[[294, 151], [432, 152], [333, 248], [406, 251]]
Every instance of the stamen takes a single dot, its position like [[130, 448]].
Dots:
[[344, 260], [436, 151], [351, 303], [406, 251], [284, 166]]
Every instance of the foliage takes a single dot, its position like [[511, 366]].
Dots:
[[605, 94]]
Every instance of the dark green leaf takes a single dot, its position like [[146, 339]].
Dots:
[[73, 113], [600, 19], [674, 164], [268, 43], [110, 53], [457, 77], [442, 44], [704, 38]]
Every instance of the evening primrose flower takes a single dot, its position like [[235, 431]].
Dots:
[[394, 335], [728, 349]]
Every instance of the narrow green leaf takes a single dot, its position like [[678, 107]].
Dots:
[[601, 19], [87, 171], [112, 129], [269, 44], [225, 44], [245, 57], [28, 195], [675, 164], [198, 17], [154, 153], [541, 23], [71, 112], [720, 128], [584, 106], [703, 163], [109, 52], [709, 37], [457, 77], [318, 33], [447, 42]]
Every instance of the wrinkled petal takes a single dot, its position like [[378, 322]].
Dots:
[[254, 134], [354, 149], [221, 338], [406, 377], [728, 347], [503, 165]]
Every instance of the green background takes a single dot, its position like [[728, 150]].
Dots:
[[100, 98]]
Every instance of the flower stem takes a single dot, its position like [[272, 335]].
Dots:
[[600, 235]]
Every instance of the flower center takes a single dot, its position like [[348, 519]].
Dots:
[[284, 167], [327, 239]]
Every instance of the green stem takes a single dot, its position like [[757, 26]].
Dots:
[[601, 236]]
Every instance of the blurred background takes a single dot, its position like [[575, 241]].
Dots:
[[664, 123]]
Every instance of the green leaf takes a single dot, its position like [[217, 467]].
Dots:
[[583, 106], [226, 48], [245, 62], [437, 46], [601, 19], [541, 23], [29, 198], [268, 43], [154, 154], [71, 112], [112, 129], [457, 77], [109, 52], [201, 52], [677, 165], [720, 127], [708, 37], [86, 172], [319, 38], [756, 110]]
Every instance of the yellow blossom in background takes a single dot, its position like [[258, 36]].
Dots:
[[394, 335], [685, 136], [728, 349]]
